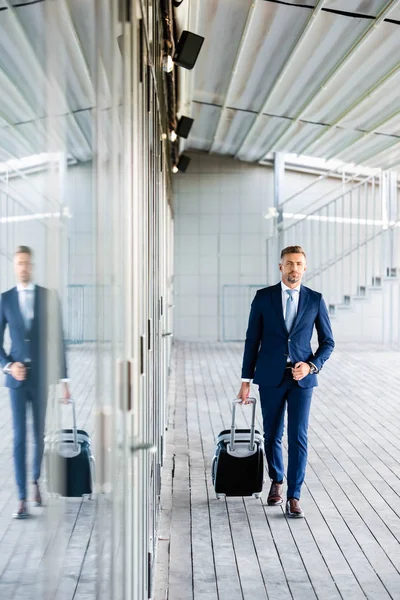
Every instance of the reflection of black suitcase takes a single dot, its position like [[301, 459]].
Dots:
[[69, 462], [238, 465]]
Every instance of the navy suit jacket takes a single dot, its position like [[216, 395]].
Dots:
[[268, 343], [47, 365]]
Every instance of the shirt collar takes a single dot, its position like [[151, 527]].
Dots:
[[29, 288], [285, 287]]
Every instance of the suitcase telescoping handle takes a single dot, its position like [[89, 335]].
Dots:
[[237, 401], [74, 428]]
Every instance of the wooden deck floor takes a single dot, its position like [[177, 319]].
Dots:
[[52, 554], [348, 544]]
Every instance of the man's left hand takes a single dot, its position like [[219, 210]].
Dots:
[[301, 370]]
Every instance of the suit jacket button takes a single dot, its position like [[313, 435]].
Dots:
[[289, 340]]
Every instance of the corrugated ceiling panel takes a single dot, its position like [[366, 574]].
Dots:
[[301, 134], [395, 14], [13, 106], [274, 31], [221, 22], [333, 141], [365, 148], [205, 122], [15, 143], [20, 63], [377, 107], [330, 37], [392, 127], [375, 58], [71, 71], [233, 126], [269, 128], [387, 159]]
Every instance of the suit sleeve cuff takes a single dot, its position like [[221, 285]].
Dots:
[[8, 365], [246, 380], [315, 367]]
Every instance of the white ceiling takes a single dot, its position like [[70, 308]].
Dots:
[[295, 77]]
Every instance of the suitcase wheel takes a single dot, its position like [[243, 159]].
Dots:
[[258, 495], [220, 496]]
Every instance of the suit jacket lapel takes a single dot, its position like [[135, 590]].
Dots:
[[303, 300], [276, 298], [18, 310], [35, 307]]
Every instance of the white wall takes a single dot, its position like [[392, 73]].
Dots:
[[220, 237]]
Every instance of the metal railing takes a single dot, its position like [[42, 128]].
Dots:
[[84, 304], [353, 244], [352, 241]]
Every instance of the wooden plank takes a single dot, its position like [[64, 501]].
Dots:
[[346, 547]]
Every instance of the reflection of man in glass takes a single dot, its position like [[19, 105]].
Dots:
[[36, 359]]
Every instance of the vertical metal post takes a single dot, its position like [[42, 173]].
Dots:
[[342, 259], [279, 175], [358, 241], [335, 237]]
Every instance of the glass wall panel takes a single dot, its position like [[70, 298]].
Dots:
[[83, 184]]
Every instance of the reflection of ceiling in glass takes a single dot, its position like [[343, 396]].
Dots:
[[320, 79], [47, 97]]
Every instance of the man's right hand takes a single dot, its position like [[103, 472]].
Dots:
[[18, 371], [244, 392]]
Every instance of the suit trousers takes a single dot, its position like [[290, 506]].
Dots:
[[273, 405], [20, 398]]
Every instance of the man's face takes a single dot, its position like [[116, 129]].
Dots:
[[23, 267], [292, 268]]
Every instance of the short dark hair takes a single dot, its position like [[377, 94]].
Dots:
[[293, 250], [23, 250]]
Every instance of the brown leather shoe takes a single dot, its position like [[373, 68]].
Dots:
[[37, 497], [293, 509], [22, 511], [275, 494]]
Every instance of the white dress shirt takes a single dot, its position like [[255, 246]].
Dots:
[[285, 297]]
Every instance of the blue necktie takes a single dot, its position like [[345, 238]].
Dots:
[[290, 310]]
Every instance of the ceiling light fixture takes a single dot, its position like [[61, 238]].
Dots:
[[168, 63], [184, 127]]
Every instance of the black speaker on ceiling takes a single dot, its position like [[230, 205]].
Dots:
[[187, 49], [184, 126], [183, 163]]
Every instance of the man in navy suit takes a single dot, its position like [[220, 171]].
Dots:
[[36, 360], [279, 358]]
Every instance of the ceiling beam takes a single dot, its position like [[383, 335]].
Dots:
[[390, 5], [242, 42], [282, 73]]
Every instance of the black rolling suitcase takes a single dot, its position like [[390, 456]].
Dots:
[[238, 465], [69, 461]]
